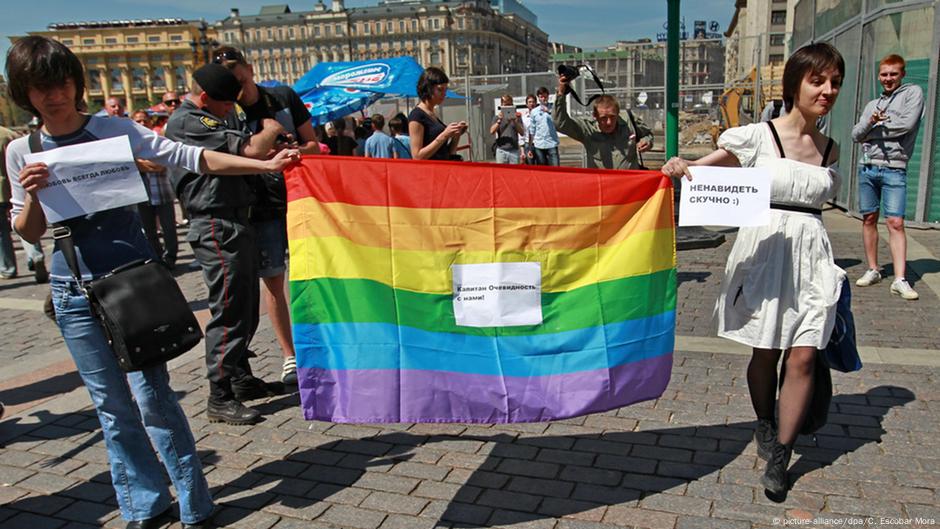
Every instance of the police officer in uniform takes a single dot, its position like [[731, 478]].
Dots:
[[223, 241]]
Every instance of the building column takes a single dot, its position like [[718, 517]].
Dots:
[[169, 77], [128, 95], [105, 82], [148, 82]]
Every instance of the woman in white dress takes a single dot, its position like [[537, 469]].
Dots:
[[781, 285]]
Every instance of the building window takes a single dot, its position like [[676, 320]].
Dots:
[[158, 79], [290, 33], [110, 40], [137, 79], [181, 79], [435, 58], [270, 34], [327, 30], [94, 79], [460, 23], [437, 23], [117, 82], [778, 17], [776, 39], [414, 25], [280, 33], [389, 26], [257, 35], [316, 31], [339, 29], [366, 28], [303, 32], [401, 26], [67, 42], [776, 58], [176, 38], [133, 40], [88, 42]]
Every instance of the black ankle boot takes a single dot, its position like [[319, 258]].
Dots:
[[765, 435], [775, 477]]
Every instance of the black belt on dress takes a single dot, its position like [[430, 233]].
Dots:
[[798, 209], [240, 214]]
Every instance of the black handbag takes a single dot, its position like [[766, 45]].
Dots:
[[841, 353], [145, 316]]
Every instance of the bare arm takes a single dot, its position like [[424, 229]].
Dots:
[[31, 221], [146, 166], [218, 163], [309, 143], [259, 145], [677, 167]]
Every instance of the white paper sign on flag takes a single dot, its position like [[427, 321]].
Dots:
[[725, 196], [497, 294], [89, 177]]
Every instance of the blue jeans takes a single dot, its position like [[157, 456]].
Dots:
[[128, 428], [505, 156], [884, 188], [546, 156]]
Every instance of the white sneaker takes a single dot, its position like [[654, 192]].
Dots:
[[289, 371], [870, 277], [903, 289]]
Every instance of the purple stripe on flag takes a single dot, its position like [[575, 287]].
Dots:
[[387, 396]]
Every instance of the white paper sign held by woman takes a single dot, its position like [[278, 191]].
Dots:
[[725, 196]]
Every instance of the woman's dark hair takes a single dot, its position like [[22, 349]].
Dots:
[[810, 59], [430, 77], [40, 62]]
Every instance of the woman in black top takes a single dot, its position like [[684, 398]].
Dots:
[[430, 138]]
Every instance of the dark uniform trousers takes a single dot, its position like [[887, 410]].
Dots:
[[225, 249]]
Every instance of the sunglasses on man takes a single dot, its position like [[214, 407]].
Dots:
[[172, 102]]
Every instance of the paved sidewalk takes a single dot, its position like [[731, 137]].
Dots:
[[682, 461]]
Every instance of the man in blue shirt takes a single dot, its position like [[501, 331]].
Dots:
[[542, 132], [379, 144]]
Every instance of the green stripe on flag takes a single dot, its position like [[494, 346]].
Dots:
[[361, 300]]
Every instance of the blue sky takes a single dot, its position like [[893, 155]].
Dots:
[[586, 23]]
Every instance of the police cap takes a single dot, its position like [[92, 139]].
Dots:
[[218, 82]]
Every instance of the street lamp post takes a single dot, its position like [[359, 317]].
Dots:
[[203, 43]]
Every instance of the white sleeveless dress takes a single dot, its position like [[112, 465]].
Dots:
[[781, 285]]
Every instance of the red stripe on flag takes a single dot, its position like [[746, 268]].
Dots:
[[426, 184]]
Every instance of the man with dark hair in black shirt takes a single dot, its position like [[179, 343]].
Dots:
[[269, 217]]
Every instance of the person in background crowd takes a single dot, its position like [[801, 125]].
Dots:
[[35, 260], [544, 137], [223, 240], [430, 138], [340, 144], [379, 144], [610, 142], [507, 133], [525, 140], [269, 215], [887, 131], [138, 411], [114, 106], [170, 102], [361, 134], [781, 285], [397, 126], [159, 207]]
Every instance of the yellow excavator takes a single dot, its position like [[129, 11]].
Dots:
[[741, 103]]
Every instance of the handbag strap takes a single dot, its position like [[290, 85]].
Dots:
[[60, 232], [636, 132]]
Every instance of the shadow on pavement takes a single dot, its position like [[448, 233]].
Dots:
[[511, 478], [529, 478]]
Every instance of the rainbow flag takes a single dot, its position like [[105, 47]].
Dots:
[[461, 292]]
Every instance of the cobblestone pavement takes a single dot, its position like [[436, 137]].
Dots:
[[685, 460]]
